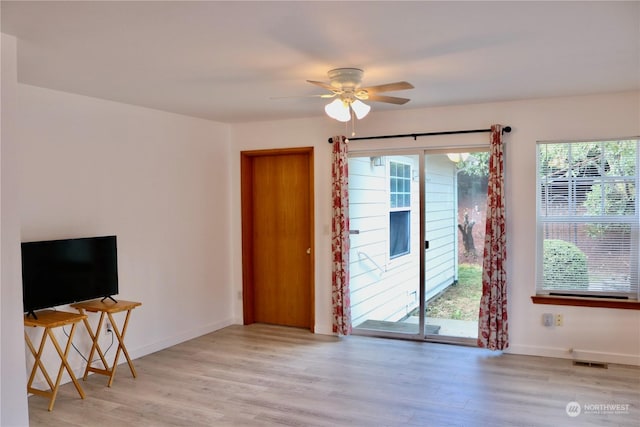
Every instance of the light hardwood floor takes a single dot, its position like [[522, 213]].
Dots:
[[262, 375]]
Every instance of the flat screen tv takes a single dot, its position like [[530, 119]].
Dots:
[[58, 272]]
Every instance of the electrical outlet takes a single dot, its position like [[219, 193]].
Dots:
[[559, 320], [547, 319], [108, 329]]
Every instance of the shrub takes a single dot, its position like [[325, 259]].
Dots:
[[565, 266]]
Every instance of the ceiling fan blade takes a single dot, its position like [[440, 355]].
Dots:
[[389, 87], [388, 99], [322, 85], [324, 95]]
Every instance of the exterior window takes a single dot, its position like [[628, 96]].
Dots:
[[400, 209], [587, 198]]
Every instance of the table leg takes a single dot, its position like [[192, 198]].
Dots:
[[94, 346], [121, 346], [64, 365], [37, 363]]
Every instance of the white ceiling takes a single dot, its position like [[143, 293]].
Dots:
[[224, 61]]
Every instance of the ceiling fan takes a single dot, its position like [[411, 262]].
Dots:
[[346, 86]]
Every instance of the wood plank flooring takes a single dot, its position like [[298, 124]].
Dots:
[[262, 375]]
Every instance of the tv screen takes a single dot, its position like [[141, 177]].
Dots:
[[57, 272]]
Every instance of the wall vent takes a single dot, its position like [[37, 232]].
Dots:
[[589, 364]]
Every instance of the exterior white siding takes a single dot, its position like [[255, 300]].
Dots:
[[441, 205]]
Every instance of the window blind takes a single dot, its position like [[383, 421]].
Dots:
[[587, 222]]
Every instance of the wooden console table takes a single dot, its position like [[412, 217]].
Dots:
[[108, 308], [49, 319]]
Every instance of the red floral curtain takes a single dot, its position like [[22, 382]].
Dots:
[[340, 238], [492, 322]]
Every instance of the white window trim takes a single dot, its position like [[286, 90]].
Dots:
[[398, 258]]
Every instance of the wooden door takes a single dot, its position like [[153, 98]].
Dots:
[[277, 199]]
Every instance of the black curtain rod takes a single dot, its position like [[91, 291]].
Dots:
[[506, 129]]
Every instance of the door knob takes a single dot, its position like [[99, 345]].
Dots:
[[308, 251]]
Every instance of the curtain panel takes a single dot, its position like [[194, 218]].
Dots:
[[340, 238], [492, 322]]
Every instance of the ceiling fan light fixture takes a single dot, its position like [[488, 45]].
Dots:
[[458, 157], [346, 85], [338, 110], [360, 108]]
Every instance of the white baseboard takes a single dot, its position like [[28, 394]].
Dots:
[[323, 329], [136, 353], [177, 339], [327, 329], [576, 354]]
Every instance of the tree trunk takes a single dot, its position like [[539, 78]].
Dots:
[[466, 228]]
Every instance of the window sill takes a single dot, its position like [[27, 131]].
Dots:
[[586, 302]]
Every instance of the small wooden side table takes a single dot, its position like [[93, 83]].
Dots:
[[49, 319], [108, 308]]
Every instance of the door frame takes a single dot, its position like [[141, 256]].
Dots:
[[246, 200]]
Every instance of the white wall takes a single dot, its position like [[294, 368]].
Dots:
[[282, 134], [595, 333], [13, 381], [159, 181]]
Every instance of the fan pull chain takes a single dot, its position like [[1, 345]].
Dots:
[[353, 123]]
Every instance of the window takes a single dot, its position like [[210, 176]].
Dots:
[[400, 208], [587, 198]]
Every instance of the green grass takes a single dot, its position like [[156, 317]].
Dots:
[[460, 301]]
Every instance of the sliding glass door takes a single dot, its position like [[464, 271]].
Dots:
[[417, 230], [455, 206]]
